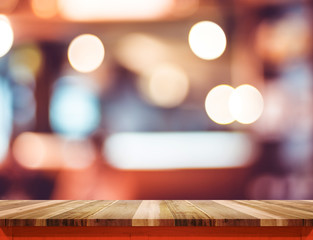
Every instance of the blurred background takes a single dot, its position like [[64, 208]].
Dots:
[[158, 99]]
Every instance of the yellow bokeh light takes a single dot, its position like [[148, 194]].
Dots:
[[246, 104], [167, 86], [44, 8], [207, 40], [217, 104], [86, 53], [7, 36], [28, 56]]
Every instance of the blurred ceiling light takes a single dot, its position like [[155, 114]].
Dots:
[[140, 52], [246, 104], [25, 58], [99, 10], [6, 117], [7, 6], [52, 152], [217, 104], [207, 40], [74, 109], [44, 8], [178, 150], [86, 53], [167, 86], [7, 36]]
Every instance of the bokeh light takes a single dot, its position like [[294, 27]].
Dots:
[[74, 109], [25, 62], [177, 150], [86, 53], [5, 117], [140, 52], [207, 40], [217, 104], [95, 10], [246, 104], [167, 86], [7, 36], [100, 98], [51, 152], [44, 8], [29, 150]]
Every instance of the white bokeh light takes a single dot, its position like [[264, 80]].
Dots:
[[246, 104], [207, 40], [86, 53], [7, 36], [178, 150], [217, 104]]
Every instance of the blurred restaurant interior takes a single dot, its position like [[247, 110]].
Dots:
[[158, 99]]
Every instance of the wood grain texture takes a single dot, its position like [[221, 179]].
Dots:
[[167, 213], [153, 213]]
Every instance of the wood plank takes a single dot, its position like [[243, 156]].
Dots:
[[41, 212], [41, 216], [30, 214], [119, 213], [10, 212], [4, 205], [287, 212], [186, 214], [153, 213], [266, 219], [287, 216], [225, 216], [84, 211], [299, 213], [217, 213], [300, 205], [78, 215]]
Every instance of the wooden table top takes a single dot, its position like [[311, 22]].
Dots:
[[155, 213]]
